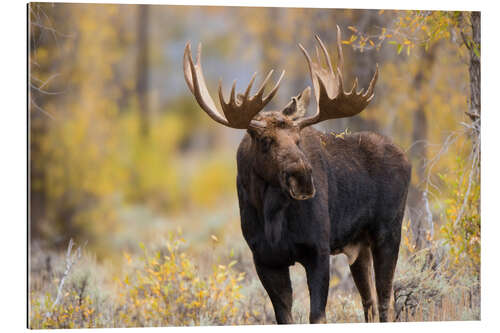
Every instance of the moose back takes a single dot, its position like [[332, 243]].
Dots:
[[305, 195]]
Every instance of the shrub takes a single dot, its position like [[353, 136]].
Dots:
[[166, 290], [76, 311], [77, 304], [428, 287], [462, 230]]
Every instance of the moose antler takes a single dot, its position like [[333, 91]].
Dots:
[[239, 110], [332, 101]]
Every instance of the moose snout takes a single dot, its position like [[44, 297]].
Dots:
[[297, 181]]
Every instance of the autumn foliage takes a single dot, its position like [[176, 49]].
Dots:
[[121, 176]]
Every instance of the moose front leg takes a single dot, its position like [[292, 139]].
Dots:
[[277, 283], [318, 278]]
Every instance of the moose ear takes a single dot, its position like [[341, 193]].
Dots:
[[297, 107]]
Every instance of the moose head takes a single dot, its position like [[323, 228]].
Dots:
[[276, 135]]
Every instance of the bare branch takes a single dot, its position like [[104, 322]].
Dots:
[[46, 82], [71, 258], [42, 110], [469, 185], [45, 91]]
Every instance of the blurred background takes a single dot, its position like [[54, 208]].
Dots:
[[122, 158]]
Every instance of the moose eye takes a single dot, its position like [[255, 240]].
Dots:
[[281, 124], [265, 144]]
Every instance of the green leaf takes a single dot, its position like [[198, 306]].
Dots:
[[400, 48], [392, 42], [476, 51]]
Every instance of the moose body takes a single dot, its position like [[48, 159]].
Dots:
[[361, 182], [305, 195]]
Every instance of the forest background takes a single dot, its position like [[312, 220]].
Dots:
[[131, 182]]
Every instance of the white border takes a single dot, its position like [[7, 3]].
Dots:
[[13, 161]]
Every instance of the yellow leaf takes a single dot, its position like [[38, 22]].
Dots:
[[127, 257]]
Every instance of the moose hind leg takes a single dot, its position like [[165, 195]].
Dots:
[[318, 278], [361, 270], [385, 252], [276, 282]]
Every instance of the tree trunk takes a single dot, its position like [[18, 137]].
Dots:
[[474, 112], [420, 215], [142, 84], [475, 68]]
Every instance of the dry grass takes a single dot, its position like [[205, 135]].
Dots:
[[209, 279]]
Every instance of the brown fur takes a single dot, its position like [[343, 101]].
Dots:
[[305, 194]]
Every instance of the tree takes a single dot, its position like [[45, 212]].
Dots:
[[424, 30], [143, 67]]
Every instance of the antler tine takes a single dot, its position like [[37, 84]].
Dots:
[[239, 111], [332, 101], [369, 91], [311, 71], [247, 91], [354, 86], [198, 54], [340, 79], [340, 54], [196, 83], [325, 53], [187, 68], [308, 58], [306, 55], [273, 91], [232, 98], [219, 91], [318, 58], [260, 91]]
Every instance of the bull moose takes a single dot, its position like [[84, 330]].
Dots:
[[305, 195]]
